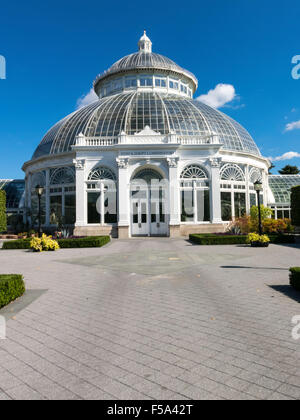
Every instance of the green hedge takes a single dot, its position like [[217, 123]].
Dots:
[[295, 205], [3, 219], [18, 244], [295, 277], [12, 286], [211, 239], [89, 242]]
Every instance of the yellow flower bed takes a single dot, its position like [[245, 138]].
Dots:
[[255, 237], [45, 243]]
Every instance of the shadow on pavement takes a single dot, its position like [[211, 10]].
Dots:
[[254, 268], [287, 291]]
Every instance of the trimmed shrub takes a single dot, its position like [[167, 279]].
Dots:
[[18, 244], [3, 219], [12, 286], [213, 239], [295, 205], [88, 242], [202, 239], [295, 277]]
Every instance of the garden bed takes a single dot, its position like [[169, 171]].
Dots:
[[12, 286], [88, 242], [295, 277], [225, 239]]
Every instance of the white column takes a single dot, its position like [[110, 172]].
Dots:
[[215, 193], [47, 204], [123, 197], [247, 190], [174, 197], [81, 199]]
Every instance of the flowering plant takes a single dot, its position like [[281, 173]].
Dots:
[[255, 238], [45, 243]]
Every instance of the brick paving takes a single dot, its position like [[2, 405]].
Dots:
[[153, 319]]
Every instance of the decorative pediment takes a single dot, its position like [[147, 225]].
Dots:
[[147, 131]]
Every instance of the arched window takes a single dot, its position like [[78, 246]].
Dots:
[[233, 191], [62, 176], [193, 172], [62, 196], [195, 196], [255, 175], [101, 173], [232, 172], [102, 196]]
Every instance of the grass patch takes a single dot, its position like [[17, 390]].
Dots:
[[12, 286]]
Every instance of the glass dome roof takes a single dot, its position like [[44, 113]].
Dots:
[[132, 111], [142, 60], [146, 60]]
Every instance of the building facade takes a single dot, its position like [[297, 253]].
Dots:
[[145, 159]]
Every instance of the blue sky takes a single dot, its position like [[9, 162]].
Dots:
[[54, 50]]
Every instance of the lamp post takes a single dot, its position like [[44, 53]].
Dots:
[[258, 186], [39, 192]]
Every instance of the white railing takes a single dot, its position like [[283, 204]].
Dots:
[[123, 138]]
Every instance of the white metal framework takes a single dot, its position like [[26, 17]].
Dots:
[[232, 172], [104, 158]]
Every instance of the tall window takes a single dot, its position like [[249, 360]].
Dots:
[[62, 196], [195, 201], [38, 178], [102, 196], [233, 192]]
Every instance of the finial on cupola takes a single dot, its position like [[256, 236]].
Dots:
[[145, 44]]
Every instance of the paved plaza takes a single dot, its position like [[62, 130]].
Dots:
[[152, 319]]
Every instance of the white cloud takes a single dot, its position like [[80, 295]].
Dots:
[[285, 156], [87, 99], [293, 126], [219, 96]]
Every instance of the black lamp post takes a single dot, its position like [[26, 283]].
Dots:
[[258, 188], [39, 192]]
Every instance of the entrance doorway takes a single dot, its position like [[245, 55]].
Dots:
[[149, 213]]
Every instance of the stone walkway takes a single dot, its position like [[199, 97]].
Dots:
[[153, 319]]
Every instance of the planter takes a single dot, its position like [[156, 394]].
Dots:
[[259, 244]]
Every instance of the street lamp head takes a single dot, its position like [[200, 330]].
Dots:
[[258, 186], [39, 190]]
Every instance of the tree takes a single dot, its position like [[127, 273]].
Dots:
[[289, 170], [295, 205], [3, 220], [271, 167], [266, 213]]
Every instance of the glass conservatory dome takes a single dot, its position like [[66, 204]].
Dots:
[[146, 89]]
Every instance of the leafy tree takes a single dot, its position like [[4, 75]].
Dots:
[[271, 167], [266, 213], [3, 220], [289, 170]]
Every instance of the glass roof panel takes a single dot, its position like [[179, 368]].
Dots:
[[281, 187], [132, 111], [15, 191]]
